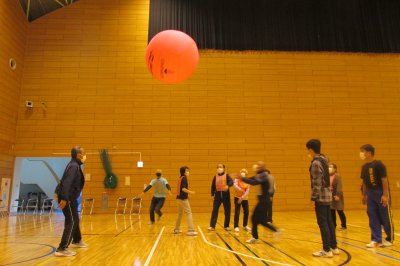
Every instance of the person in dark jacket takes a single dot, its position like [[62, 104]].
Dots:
[[220, 194], [266, 186], [68, 192]]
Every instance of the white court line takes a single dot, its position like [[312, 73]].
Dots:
[[367, 228], [154, 248], [205, 240]]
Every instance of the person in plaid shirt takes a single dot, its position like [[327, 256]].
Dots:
[[321, 197]]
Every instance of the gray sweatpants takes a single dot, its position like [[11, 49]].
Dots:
[[184, 206]]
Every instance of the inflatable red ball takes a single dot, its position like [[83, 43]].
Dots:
[[172, 56]]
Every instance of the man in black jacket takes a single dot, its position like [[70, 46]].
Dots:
[[220, 194], [264, 193], [68, 192]]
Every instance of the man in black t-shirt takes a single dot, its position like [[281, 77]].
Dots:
[[376, 194], [183, 202]]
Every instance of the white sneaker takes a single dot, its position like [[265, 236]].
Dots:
[[80, 244], [192, 233], [151, 223], [253, 241], [373, 244], [323, 254], [177, 231], [247, 228], [237, 229], [64, 253], [388, 244], [335, 251], [227, 228], [211, 228]]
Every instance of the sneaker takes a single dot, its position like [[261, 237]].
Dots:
[[151, 223], [373, 244], [64, 253], [323, 254], [253, 241], [80, 244], [159, 217], [247, 228], [211, 228], [192, 233], [227, 228], [177, 231], [388, 244], [236, 229], [271, 227], [335, 251], [342, 228]]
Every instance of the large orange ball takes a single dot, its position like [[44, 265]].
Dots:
[[172, 56]]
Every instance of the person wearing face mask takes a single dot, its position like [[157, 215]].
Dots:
[[266, 185], [158, 199], [321, 197], [183, 202], [337, 203], [220, 195], [376, 194], [68, 192], [241, 199]]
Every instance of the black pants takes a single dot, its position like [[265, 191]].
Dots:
[[227, 208], [245, 206], [156, 205], [260, 217], [71, 224], [269, 212], [341, 215], [326, 227]]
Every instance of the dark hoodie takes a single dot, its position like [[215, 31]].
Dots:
[[266, 182], [72, 182]]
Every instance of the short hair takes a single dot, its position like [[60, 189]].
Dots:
[[244, 171], [315, 145], [75, 151], [334, 166], [183, 170], [368, 147], [222, 165]]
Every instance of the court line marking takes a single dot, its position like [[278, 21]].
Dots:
[[366, 228], [154, 248], [277, 248], [205, 240], [53, 250], [241, 261]]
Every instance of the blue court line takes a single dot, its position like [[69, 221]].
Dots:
[[364, 242], [127, 228], [241, 261], [367, 250], [51, 252]]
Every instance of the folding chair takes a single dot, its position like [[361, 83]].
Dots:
[[48, 205], [87, 203], [136, 205], [121, 202], [3, 209], [21, 208], [34, 206]]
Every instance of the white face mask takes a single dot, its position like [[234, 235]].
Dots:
[[243, 174], [83, 159], [362, 156], [220, 170], [309, 155]]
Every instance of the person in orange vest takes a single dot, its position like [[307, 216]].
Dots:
[[220, 194], [241, 199]]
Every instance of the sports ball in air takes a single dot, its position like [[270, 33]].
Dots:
[[172, 56]]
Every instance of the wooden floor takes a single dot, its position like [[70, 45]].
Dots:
[[126, 240]]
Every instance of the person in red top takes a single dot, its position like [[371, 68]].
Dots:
[[220, 195], [241, 199]]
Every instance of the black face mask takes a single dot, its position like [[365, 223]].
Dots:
[[158, 174]]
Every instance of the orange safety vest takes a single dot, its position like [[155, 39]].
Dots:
[[220, 182], [243, 186]]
